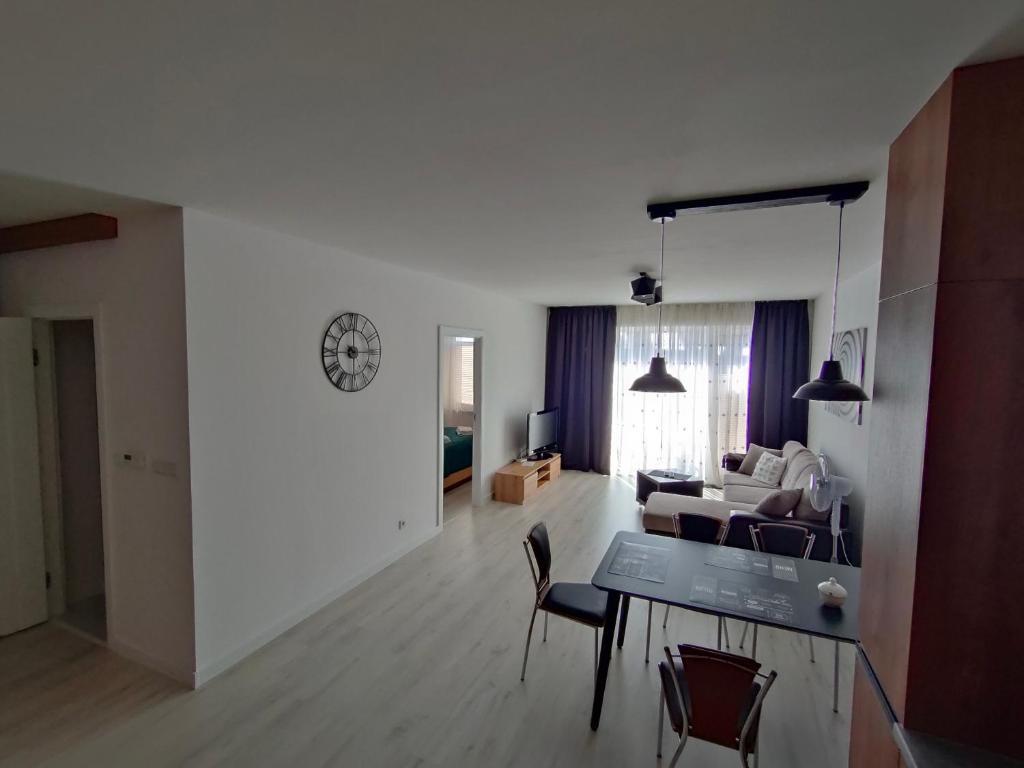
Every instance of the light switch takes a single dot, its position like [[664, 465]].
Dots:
[[132, 459]]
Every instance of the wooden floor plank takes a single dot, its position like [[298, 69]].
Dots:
[[418, 666]]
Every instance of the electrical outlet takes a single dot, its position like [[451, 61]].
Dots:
[[401, 524]]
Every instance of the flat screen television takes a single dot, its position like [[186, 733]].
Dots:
[[542, 431]]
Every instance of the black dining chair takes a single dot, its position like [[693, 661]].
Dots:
[[712, 696], [690, 526], [786, 541], [582, 603]]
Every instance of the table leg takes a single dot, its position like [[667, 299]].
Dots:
[[623, 613], [607, 639]]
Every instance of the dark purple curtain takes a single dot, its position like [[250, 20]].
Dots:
[[580, 357], [780, 356]]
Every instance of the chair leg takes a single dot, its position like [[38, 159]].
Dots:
[[810, 642], [545, 638], [725, 629], [753, 647], [678, 753], [595, 654], [835, 681], [719, 633], [743, 637], [529, 634], [661, 720], [647, 652], [664, 624]]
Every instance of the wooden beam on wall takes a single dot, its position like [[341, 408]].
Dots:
[[47, 234]]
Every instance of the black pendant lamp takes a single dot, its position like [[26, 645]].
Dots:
[[658, 379], [831, 385]]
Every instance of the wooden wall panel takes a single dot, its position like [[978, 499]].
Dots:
[[943, 541], [914, 200], [895, 464], [983, 225], [871, 744], [970, 533], [47, 234]]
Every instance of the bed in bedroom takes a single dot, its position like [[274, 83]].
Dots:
[[458, 457]]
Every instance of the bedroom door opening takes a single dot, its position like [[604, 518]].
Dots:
[[460, 354], [51, 505], [81, 500]]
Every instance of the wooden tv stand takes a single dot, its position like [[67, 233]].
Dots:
[[516, 483]]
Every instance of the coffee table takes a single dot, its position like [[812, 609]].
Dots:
[[666, 481]]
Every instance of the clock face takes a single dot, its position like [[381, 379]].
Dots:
[[351, 352]]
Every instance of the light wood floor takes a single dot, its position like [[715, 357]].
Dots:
[[457, 501], [419, 666]]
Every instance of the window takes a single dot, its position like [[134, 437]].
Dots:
[[459, 370], [465, 373], [707, 347]]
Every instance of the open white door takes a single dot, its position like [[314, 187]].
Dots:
[[22, 559]]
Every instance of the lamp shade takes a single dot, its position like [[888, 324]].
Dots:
[[830, 385], [658, 379]]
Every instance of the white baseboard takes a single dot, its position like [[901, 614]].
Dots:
[[185, 677], [207, 672]]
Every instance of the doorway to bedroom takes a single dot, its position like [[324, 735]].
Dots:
[[459, 368]]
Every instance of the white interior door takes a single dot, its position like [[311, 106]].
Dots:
[[22, 558]]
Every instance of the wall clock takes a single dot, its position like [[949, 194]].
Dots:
[[351, 352]]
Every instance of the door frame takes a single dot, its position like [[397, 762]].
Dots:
[[94, 312], [477, 481]]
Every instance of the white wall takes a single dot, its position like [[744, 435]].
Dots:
[[845, 443], [136, 285], [297, 488]]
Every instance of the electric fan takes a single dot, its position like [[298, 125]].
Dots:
[[828, 491]]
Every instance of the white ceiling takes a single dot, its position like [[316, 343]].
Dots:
[[510, 145]]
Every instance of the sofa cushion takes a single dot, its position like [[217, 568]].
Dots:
[[753, 454], [769, 469], [660, 508], [746, 494], [737, 478], [779, 503], [800, 464]]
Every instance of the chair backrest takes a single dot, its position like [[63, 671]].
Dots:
[[696, 527], [782, 539], [713, 695], [537, 540]]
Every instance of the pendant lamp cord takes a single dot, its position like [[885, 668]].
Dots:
[[835, 286], [658, 343]]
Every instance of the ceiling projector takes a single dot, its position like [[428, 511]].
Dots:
[[646, 290]]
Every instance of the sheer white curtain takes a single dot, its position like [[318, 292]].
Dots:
[[707, 347], [457, 381]]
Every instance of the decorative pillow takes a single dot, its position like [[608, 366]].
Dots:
[[779, 503], [769, 469], [754, 453]]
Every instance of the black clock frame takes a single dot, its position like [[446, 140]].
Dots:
[[331, 357]]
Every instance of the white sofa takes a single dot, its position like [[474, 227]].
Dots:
[[741, 492]]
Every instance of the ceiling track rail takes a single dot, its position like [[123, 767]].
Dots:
[[833, 194]]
